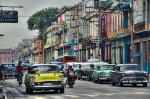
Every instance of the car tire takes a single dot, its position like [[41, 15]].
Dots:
[[99, 81], [30, 91], [145, 85], [56, 90], [120, 84], [134, 85], [112, 83], [95, 81], [27, 90], [3, 97], [62, 90]]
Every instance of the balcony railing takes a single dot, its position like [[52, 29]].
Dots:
[[139, 26], [121, 31]]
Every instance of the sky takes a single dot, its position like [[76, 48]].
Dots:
[[15, 32]]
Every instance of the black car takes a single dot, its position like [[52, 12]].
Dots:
[[128, 74]]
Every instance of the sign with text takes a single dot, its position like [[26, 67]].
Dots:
[[8, 16]]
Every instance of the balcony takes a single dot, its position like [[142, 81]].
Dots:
[[119, 32], [139, 27]]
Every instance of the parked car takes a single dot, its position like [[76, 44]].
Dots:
[[102, 73], [44, 77], [59, 64], [9, 69], [92, 60], [129, 74], [81, 73]]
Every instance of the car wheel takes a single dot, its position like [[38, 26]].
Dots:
[[3, 97], [134, 85], [30, 91], [112, 83], [27, 90], [94, 80], [121, 84], [145, 85], [56, 90], [62, 90], [99, 81]]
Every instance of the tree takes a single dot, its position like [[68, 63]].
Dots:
[[42, 19]]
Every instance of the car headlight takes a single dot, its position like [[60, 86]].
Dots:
[[61, 76], [123, 75], [102, 74], [32, 79], [146, 74]]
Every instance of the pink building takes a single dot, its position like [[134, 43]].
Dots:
[[8, 55]]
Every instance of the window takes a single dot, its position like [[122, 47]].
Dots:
[[121, 21], [1, 52], [8, 59], [8, 52], [103, 24], [4, 52]]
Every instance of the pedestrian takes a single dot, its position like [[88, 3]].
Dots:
[[1, 74], [53, 59]]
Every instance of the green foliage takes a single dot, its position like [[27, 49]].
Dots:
[[42, 19], [64, 26]]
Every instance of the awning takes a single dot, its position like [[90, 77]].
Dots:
[[126, 5]]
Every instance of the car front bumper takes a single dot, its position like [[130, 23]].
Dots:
[[46, 87], [133, 81], [105, 79]]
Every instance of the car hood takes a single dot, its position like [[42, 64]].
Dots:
[[47, 77], [107, 72], [134, 73], [11, 69]]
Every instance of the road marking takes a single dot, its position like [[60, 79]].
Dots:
[[88, 95], [103, 94], [57, 97], [71, 96], [37, 97]]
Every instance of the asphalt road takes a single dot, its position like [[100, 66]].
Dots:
[[81, 90]]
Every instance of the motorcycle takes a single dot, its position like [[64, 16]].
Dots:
[[19, 79], [71, 79]]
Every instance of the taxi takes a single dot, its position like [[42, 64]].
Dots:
[[44, 77]]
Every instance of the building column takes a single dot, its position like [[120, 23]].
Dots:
[[124, 54], [106, 54], [109, 53]]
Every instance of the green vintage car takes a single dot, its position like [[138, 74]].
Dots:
[[102, 73], [44, 77]]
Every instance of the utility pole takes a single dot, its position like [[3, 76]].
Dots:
[[132, 30], [63, 40]]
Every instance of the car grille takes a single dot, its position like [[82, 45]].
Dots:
[[53, 82], [136, 75]]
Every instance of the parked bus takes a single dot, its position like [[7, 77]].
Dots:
[[65, 59]]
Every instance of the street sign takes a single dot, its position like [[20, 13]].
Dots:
[[136, 54], [8, 16]]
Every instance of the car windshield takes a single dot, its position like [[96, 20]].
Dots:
[[124, 68], [44, 68], [107, 67], [8, 65]]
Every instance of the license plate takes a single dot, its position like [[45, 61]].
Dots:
[[47, 84]]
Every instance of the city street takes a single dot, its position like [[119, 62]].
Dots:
[[81, 90]]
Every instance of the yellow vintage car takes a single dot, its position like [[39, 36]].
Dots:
[[44, 77]]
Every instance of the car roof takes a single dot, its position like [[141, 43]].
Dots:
[[126, 64], [8, 63], [43, 64], [55, 62]]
